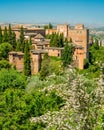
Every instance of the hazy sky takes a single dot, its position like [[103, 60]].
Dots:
[[61, 11]]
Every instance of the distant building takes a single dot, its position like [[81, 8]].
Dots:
[[79, 36], [17, 60], [29, 32]]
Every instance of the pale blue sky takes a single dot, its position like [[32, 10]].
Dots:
[[60, 11]]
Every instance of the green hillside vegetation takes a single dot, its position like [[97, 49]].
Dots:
[[95, 65], [61, 101]]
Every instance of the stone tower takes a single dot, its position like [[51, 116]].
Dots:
[[80, 36], [63, 28]]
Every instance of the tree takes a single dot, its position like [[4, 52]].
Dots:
[[13, 42], [5, 35], [11, 79], [4, 50], [61, 40], [27, 61], [49, 26], [96, 44], [22, 39], [1, 36], [45, 67], [4, 64], [67, 54], [18, 45], [10, 34], [57, 40]]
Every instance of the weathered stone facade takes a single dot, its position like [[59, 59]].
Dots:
[[16, 60]]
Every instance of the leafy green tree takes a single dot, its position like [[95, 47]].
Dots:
[[1, 36], [5, 35], [22, 39], [27, 60], [45, 67], [11, 79], [4, 50], [67, 54], [4, 64]]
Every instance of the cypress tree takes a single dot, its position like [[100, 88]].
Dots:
[[67, 54], [22, 39], [13, 41], [18, 45], [5, 36], [1, 36], [66, 40], [10, 35], [96, 44], [45, 69], [61, 40], [27, 61]]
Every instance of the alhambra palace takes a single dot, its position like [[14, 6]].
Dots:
[[80, 39]]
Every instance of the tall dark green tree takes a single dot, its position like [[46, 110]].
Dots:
[[27, 60], [96, 44], [10, 34], [67, 54], [5, 35], [13, 41], [49, 26], [18, 45], [61, 40], [57, 40], [45, 69], [65, 41], [1, 36], [22, 39]]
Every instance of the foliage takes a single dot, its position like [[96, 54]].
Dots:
[[86, 63], [11, 79], [4, 50], [56, 40], [50, 65], [96, 60], [45, 67], [82, 109], [4, 64], [5, 35], [49, 26], [1, 36], [17, 107], [18, 45], [27, 61], [13, 42], [10, 35], [22, 39], [67, 54]]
